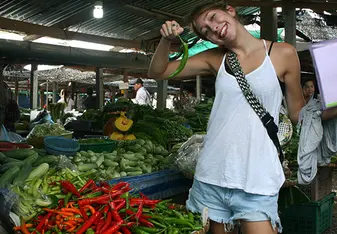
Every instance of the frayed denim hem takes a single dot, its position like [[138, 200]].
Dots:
[[228, 224], [275, 222]]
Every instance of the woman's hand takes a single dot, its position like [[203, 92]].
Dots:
[[170, 30]]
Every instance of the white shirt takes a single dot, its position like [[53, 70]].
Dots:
[[238, 152], [143, 97], [70, 104]]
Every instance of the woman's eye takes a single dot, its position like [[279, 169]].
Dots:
[[213, 16]]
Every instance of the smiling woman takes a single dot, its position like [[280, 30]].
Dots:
[[238, 174]]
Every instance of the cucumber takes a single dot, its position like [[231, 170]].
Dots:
[[23, 174], [20, 154], [7, 166], [87, 166], [31, 159], [7, 178], [39, 172], [50, 159], [135, 173]]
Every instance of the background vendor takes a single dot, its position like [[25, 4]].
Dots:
[[309, 91]]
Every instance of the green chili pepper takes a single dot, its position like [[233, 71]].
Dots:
[[148, 229], [183, 61], [179, 221], [138, 231], [66, 199], [191, 217], [178, 214], [157, 223]]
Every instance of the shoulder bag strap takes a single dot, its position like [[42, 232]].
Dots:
[[266, 118]]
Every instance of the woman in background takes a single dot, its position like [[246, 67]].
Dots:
[[309, 91], [65, 98]]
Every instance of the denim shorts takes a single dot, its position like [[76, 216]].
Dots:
[[229, 206]]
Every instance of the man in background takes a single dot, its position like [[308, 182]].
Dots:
[[143, 97], [90, 102]]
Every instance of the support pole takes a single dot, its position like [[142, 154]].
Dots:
[[161, 93], [268, 23], [198, 88], [289, 13], [33, 87], [99, 88]]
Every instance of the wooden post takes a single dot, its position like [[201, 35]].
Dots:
[[161, 93], [198, 87], [54, 92], [289, 13], [2, 94], [268, 23], [126, 80], [99, 88], [16, 92], [41, 97], [33, 87]]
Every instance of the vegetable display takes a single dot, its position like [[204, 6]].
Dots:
[[131, 158], [103, 208]]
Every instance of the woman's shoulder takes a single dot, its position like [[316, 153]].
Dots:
[[284, 48]]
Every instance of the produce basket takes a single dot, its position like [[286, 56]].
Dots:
[[38, 142], [182, 208], [321, 186], [99, 147], [60, 146], [312, 218]]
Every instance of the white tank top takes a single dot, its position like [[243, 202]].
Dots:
[[238, 152]]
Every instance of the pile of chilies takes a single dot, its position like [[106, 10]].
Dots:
[[102, 209]]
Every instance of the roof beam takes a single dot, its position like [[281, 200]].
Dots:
[[81, 16], [55, 32], [296, 4]]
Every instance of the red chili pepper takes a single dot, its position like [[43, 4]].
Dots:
[[143, 216], [114, 212], [42, 222], [89, 223], [142, 195], [120, 185], [105, 190], [107, 223], [121, 205], [146, 223], [100, 225], [87, 186], [125, 230], [134, 201], [139, 211], [70, 187], [131, 224], [24, 229], [84, 214], [114, 228], [104, 199]]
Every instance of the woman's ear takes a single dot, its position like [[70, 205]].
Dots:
[[231, 11]]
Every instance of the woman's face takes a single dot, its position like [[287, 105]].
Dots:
[[308, 89], [218, 26]]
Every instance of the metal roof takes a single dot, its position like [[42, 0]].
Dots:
[[124, 19]]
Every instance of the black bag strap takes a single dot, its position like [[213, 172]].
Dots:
[[266, 118]]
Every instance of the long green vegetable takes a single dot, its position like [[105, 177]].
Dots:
[[183, 61]]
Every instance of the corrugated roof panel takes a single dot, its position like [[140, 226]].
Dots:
[[117, 22]]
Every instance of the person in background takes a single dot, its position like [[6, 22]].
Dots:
[[90, 102], [12, 111], [65, 98], [309, 91], [143, 97]]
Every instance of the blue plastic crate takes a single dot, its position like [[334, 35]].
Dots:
[[158, 185]]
